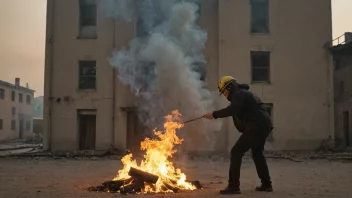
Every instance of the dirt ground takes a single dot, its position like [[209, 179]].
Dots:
[[69, 178]]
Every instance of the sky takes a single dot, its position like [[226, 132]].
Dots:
[[22, 38]]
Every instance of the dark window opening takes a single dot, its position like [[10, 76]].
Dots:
[[87, 75], [13, 124], [88, 18], [13, 96], [20, 97], [13, 111], [28, 99], [1, 124], [2, 93], [260, 62], [259, 16]]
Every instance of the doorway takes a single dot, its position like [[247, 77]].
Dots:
[[87, 130], [135, 130], [346, 128]]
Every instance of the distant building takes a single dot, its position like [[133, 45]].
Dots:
[[278, 47], [342, 52], [16, 110]]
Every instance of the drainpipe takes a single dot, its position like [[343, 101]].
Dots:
[[49, 61], [113, 87]]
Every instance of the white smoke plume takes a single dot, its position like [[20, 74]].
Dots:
[[164, 65]]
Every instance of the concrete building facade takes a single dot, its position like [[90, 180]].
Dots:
[[16, 110], [342, 53], [276, 46]]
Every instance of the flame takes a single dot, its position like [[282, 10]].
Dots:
[[157, 153]]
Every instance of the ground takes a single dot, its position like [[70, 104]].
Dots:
[[69, 177]]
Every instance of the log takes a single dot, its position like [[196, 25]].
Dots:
[[111, 186], [143, 176], [171, 187], [134, 187]]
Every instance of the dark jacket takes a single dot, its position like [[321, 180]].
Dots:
[[247, 110]]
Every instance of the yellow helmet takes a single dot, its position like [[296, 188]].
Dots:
[[225, 81]]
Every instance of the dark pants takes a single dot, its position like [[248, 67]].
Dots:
[[254, 140]]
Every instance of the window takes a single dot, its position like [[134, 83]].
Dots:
[[13, 96], [13, 124], [259, 16], [1, 124], [260, 62], [88, 19], [87, 75], [13, 110], [2, 93], [20, 97], [28, 99], [28, 125]]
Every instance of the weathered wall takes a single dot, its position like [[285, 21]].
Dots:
[[301, 77], [343, 92]]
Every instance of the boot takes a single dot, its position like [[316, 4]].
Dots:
[[230, 190], [264, 188]]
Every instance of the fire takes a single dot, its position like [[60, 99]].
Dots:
[[158, 151]]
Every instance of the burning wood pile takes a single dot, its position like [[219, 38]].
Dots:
[[156, 173]]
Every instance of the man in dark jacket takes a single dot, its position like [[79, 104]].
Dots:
[[251, 119]]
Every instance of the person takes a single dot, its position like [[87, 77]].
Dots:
[[254, 122]]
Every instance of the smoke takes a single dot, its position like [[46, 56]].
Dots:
[[164, 64]]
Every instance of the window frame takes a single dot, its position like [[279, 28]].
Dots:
[[83, 5], [1, 124], [80, 76], [20, 97], [268, 68], [13, 96], [267, 31], [2, 94]]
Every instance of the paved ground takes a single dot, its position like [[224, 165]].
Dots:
[[68, 178]]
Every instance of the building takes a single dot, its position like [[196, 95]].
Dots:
[[276, 46], [16, 110], [342, 53]]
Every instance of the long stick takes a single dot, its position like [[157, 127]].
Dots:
[[193, 119]]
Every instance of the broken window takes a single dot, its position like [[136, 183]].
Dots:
[[260, 62], [87, 75], [28, 99], [13, 124], [28, 125], [13, 96], [259, 16], [20, 97], [88, 19], [1, 124], [2, 93]]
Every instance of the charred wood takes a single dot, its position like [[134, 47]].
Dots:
[[143, 176], [135, 186]]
